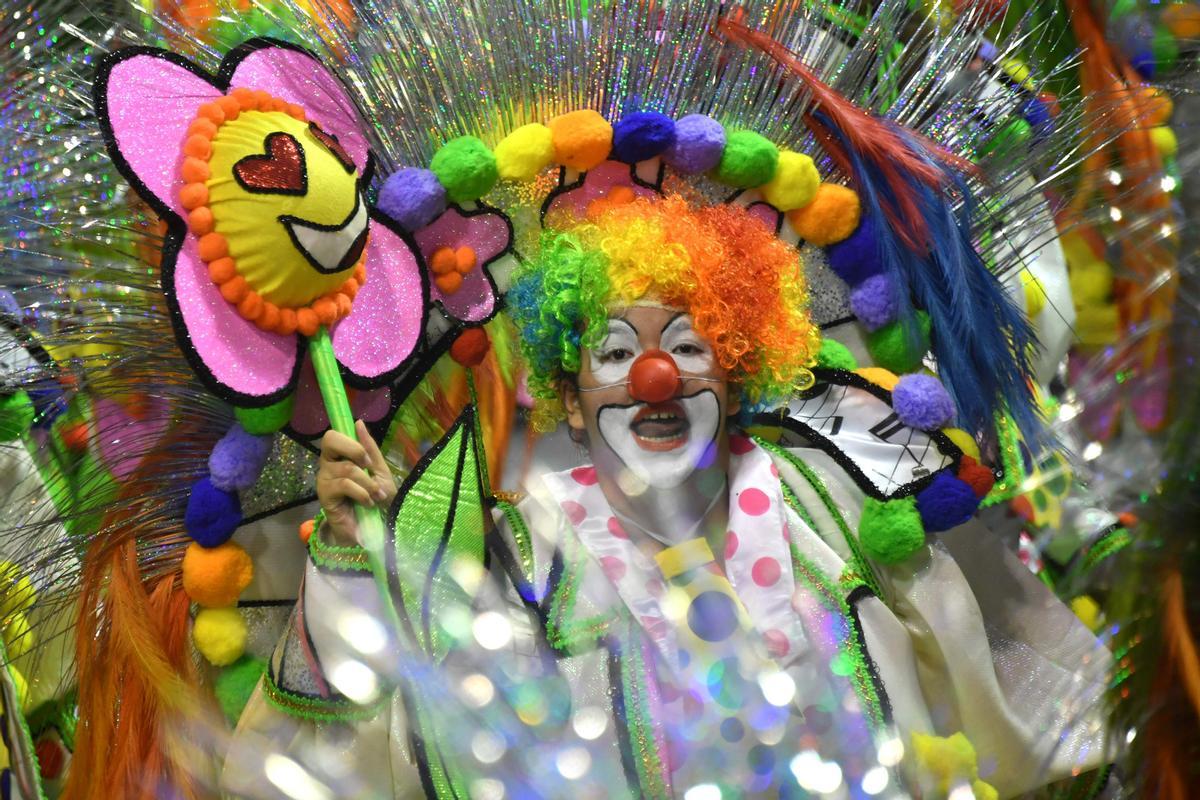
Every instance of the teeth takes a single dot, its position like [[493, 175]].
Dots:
[[660, 415]]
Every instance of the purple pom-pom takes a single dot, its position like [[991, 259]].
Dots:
[[212, 514], [238, 459], [946, 503], [412, 197], [699, 142], [875, 302], [642, 135], [921, 402], [857, 258]]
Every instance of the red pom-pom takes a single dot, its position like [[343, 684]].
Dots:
[[975, 475], [75, 436], [470, 347], [1022, 508], [306, 530]]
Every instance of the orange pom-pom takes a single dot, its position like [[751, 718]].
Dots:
[[221, 270], [449, 283], [230, 107], [268, 320], [245, 97], [262, 100], [344, 305], [832, 215], [251, 306], [471, 346], [287, 322], [306, 530], [442, 261], [234, 290], [211, 112], [193, 195], [465, 260], [360, 273], [582, 139], [296, 111], [326, 310], [74, 436], [200, 221], [279, 104], [202, 127], [215, 576], [198, 146], [212, 246], [879, 376], [307, 321], [195, 170], [350, 288], [975, 475]]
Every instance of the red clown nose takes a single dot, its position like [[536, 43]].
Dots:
[[653, 378]]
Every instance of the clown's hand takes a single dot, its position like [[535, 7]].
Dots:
[[343, 480]]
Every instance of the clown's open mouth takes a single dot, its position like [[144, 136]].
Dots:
[[660, 426], [331, 248]]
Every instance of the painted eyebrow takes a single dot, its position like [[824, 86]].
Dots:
[[680, 315]]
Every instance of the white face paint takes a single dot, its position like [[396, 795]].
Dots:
[[663, 445], [612, 360]]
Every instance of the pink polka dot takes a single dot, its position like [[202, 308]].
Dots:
[[731, 544], [613, 567], [616, 529], [775, 470], [787, 535], [575, 512], [765, 571], [777, 642], [656, 627], [754, 502], [584, 476], [655, 587], [740, 445]]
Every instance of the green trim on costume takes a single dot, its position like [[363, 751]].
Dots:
[[350, 558], [1008, 486], [521, 535], [634, 682], [1107, 545], [835, 601], [861, 565], [317, 709], [563, 631]]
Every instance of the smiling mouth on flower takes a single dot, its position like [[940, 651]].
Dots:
[[660, 426], [331, 248]]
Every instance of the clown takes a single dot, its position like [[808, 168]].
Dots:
[[692, 600]]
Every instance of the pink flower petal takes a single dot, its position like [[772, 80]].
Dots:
[[309, 418], [239, 361], [124, 439], [388, 315], [299, 78], [149, 103], [488, 233]]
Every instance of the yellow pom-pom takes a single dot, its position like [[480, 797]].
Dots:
[[832, 215], [525, 152], [1098, 325], [18, 593], [1018, 71], [18, 636], [984, 791], [1088, 611], [1091, 283], [1076, 249], [879, 376], [220, 635], [949, 759], [963, 441], [582, 139], [1035, 293], [215, 576], [794, 184], [1164, 141], [1158, 106]]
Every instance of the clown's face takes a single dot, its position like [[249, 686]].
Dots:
[[286, 197], [661, 441]]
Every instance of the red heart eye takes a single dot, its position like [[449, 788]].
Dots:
[[333, 145], [279, 171]]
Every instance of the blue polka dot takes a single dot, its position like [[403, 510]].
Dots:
[[732, 730], [685, 658], [712, 616], [761, 758]]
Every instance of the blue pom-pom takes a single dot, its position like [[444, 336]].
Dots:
[[642, 135], [857, 258], [946, 503], [921, 402], [1037, 114], [50, 403], [699, 143], [238, 460], [875, 302], [212, 514], [412, 197]]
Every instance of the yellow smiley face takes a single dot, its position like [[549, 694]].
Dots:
[[286, 198]]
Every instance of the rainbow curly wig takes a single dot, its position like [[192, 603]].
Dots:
[[743, 287]]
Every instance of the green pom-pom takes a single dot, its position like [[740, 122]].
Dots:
[[16, 415], [748, 160], [835, 355], [1012, 136], [1165, 48], [466, 167], [236, 683], [891, 530], [266, 420], [894, 349]]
